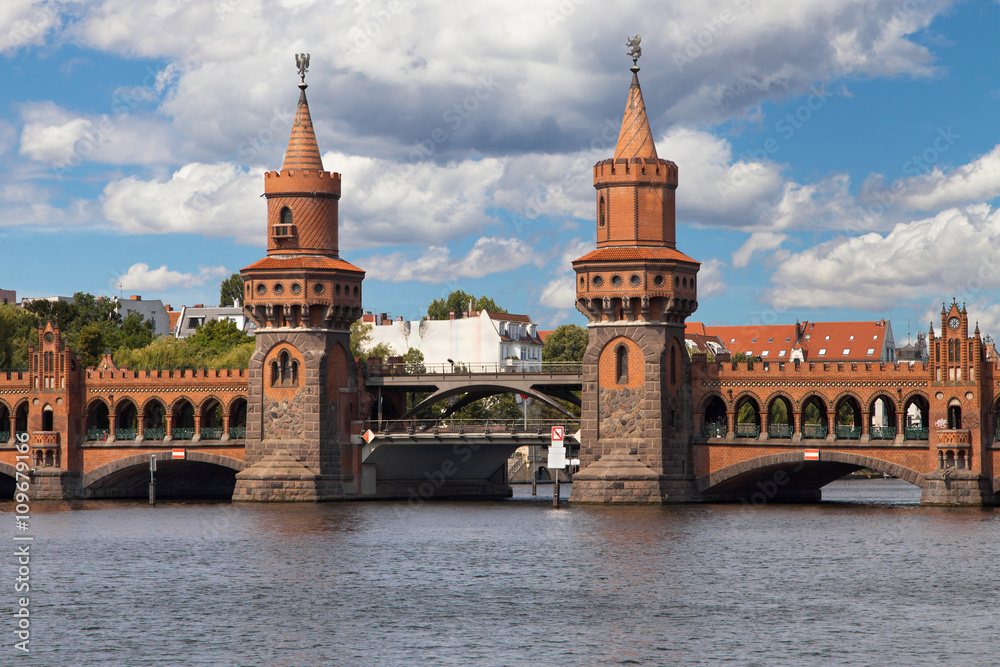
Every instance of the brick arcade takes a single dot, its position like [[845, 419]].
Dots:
[[658, 425]]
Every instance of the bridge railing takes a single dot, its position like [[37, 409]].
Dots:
[[511, 366], [466, 426]]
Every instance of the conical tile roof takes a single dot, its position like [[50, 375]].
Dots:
[[303, 151], [635, 140]]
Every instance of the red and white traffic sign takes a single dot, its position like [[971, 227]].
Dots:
[[812, 455], [368, 436], [179, 454], [558, 435]]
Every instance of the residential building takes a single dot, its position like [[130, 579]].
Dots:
[[152, 310], [190, 318]]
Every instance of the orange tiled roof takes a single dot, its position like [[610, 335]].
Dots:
[[819, 341], [635, 140], [618, 254], [303, 151], [319, 262]]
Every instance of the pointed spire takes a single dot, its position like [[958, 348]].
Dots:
[[635, 140], [303, 151]]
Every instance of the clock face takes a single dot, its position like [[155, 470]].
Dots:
[[953, 323]]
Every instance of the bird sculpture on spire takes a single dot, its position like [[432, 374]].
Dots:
[[302, 62]]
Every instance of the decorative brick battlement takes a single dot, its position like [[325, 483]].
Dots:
[[623, 171], [302, 180]]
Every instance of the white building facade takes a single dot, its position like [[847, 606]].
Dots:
[[482, 339]]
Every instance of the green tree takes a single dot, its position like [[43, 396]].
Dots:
[[18, 328], [414, 360], [458, 302], [231, 290], [567, 343], [135, 332], [361, 348], [747, 414], [220, 336]]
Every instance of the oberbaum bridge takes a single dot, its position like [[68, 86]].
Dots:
[[305, 421]]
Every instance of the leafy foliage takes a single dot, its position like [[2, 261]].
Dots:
[[17, 328], [90, 325], [361, 335], [458, 302], [230, 290], [567, 343]]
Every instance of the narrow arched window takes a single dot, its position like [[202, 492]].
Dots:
[[286, 371], [294, 378], [274, 373], [621, 364], [286, 216], [600, 212]]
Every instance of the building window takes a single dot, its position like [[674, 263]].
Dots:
[[852, 338], [822, 351], [870, 351], [782, 353], [764, 353], [673, 365], [621, 364], [600, 213], [847, 351]]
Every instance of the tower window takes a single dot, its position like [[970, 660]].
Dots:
[[284, 229], [621, 364], [600, 214]]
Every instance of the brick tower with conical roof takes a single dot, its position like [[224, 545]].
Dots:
[[636, 290], [303, 297]]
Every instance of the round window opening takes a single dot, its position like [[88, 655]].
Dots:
[[261, 288], [318, 288], [296, 288], [598, 281], [279, 288], [634, 280], [616, 281], [49, 337], [658, 280]]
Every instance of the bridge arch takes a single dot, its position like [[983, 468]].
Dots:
[[198, 475], [478, 391], [921, 404], [747, 409], [789, 476], [5, 421], [8, 478], [779, 405]]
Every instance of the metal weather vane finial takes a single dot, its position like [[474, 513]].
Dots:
[[636, 50], [302, 62]]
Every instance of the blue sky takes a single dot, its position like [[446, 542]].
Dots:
[[838, 159]]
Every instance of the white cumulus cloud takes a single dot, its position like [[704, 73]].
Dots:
[[140, 277]]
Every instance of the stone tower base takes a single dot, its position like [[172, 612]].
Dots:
[[280, 477], [55, 484], [619, 477], [957, 488]]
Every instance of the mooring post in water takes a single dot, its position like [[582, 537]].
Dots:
[[555, 489], [152, 480], [534, 482]]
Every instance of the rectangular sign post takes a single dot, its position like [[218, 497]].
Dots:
[[152, 480], [557, 459], [812, 455]]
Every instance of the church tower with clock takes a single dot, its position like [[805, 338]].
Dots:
[[961, 395], [636, 290]]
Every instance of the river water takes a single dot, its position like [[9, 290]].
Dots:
[[865, 577]]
